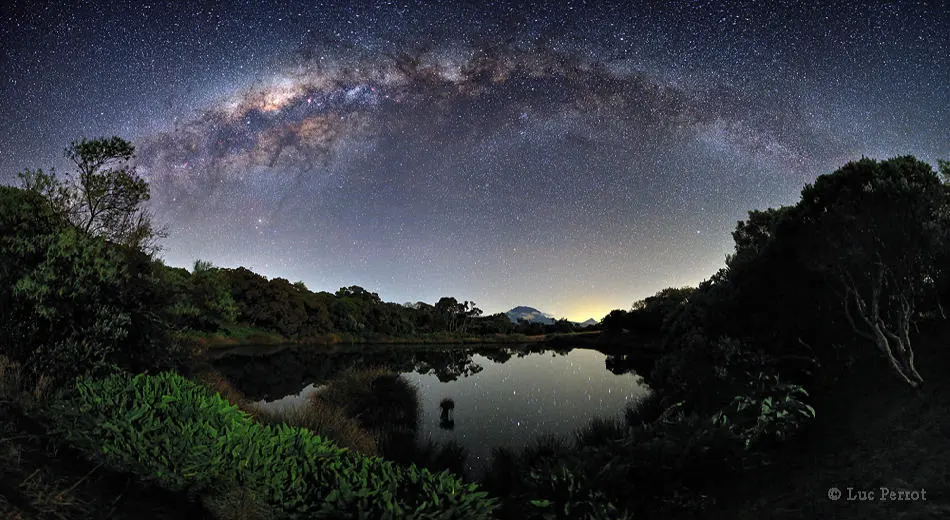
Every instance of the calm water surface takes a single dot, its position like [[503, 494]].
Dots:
[[503, 397], [510, 404]]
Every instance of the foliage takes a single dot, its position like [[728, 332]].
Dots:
[[377, 397], [213, 299], [652, 315], [457, 315], [574, 497], [162, 428], [770, 411], [878, 227], [445, 456], [211, 295], [707, 373], [73, 303], [175, 432], [104, 196], [851, 262], [663, 468]]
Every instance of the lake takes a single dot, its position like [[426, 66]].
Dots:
[[503, 396]]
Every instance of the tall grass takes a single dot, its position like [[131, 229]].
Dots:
[[328, 421], [217, 383], [445, 456], [507, 469], [645, 410], [600, 431]]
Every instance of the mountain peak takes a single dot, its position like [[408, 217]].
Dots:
[[523, 312]]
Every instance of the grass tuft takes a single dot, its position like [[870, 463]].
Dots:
[[328, 421]]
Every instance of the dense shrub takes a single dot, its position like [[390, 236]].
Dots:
[[574, 496], [378, 396], [661, 461], [72, 303], [705, 372], [170, 430]]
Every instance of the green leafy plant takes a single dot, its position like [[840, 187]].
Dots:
[[568, 495], [771, 410], [180, 435]]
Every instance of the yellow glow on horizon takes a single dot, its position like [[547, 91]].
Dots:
[[582, 311]]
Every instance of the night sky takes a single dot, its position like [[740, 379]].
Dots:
[[573, 157]]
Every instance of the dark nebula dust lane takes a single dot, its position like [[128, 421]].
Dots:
[[573, 157]]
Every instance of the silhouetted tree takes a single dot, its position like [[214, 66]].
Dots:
[[104, 196], [878, 228], [650, 315]]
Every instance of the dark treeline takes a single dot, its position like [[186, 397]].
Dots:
[[212, 299]]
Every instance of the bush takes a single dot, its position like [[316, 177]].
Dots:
[[71, 303], [382, 403], [706, 373], [380, 398], [770, 411], [446, 456], [173, 431], [573, 497], [656, 464]]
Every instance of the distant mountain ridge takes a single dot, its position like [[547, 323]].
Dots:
[[529, 313]]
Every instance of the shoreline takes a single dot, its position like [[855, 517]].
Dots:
[[218, 341], [627, 347]]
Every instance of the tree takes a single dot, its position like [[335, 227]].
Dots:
[[616, 321], [651, 314], [104, 196], [877, 229], [359, 293], [753, 235], [211, 294], [457, 316]]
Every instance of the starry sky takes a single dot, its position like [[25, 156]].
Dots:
[[571, 156]]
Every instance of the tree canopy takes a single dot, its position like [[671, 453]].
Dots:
[[850, 263], [878, 227], [104, 196]]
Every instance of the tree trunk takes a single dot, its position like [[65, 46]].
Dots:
[[902, 366], [897, 349]]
